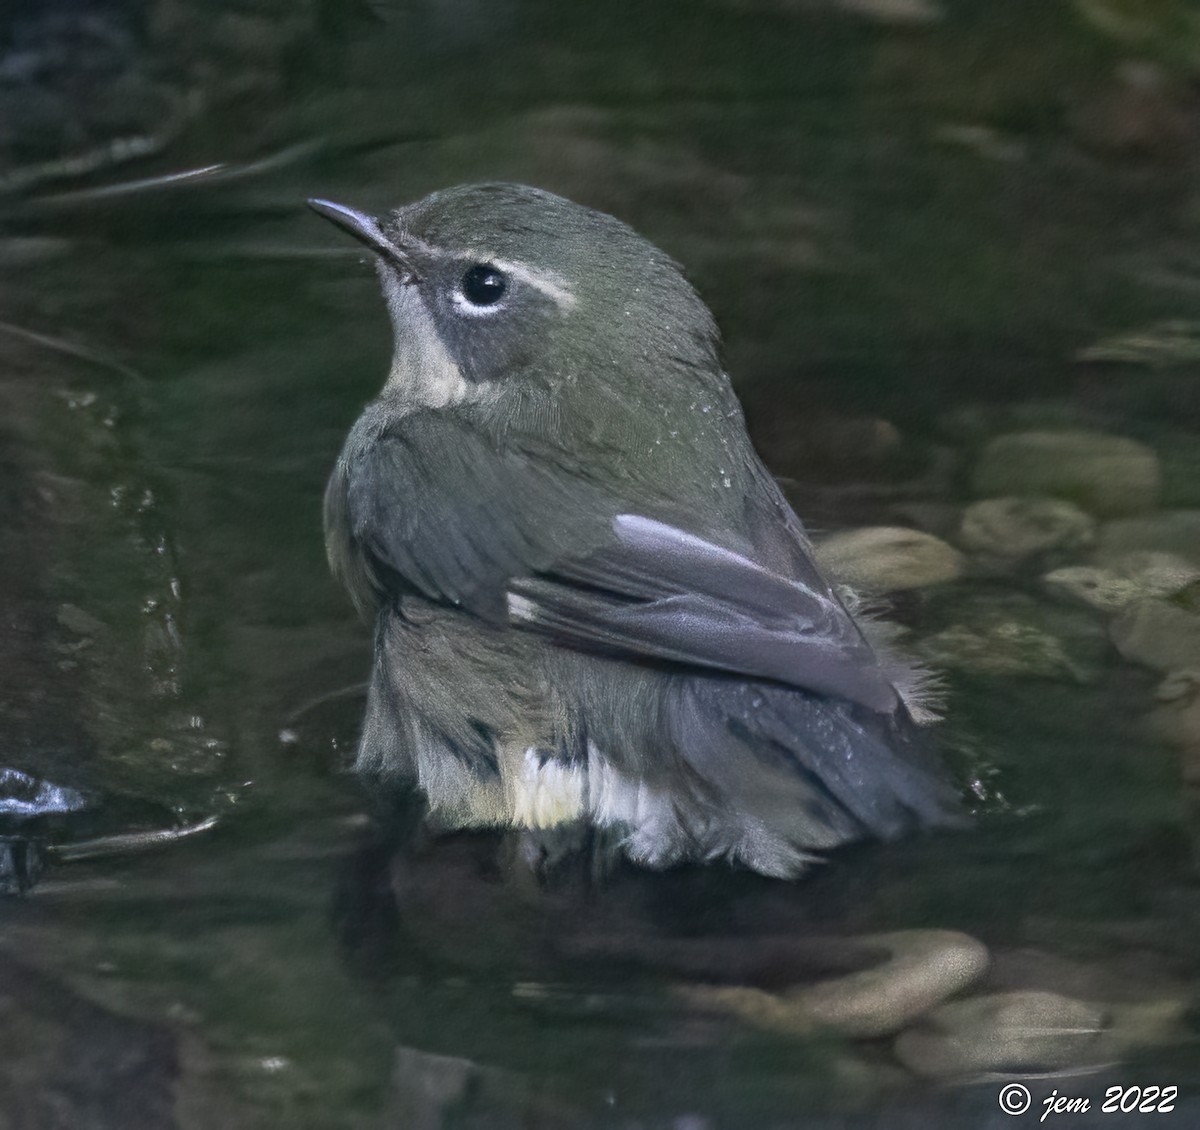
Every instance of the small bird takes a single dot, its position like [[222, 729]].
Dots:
[[593, 607]]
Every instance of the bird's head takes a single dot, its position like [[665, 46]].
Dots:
[[501, 290]]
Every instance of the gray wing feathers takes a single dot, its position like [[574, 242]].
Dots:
[[505, 534], [453, 522], [663, 593]]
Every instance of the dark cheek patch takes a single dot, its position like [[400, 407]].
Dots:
[[491, 347]]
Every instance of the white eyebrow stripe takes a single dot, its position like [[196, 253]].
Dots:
[[552, 286]]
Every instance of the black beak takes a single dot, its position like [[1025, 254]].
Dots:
[[364, 228]]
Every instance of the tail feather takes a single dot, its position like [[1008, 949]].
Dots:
[[795, 772]]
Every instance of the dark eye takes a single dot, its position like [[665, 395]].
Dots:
[[484, 285]]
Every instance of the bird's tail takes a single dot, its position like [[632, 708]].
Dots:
[[795, 773]]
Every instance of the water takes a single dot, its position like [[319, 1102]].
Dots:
[[177, 634]]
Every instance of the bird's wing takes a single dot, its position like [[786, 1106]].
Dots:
[[663, 593], [507, 535]]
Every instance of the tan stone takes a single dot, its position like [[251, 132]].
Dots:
[[889, 558]]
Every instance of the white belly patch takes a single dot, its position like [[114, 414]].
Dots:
[[529, 791], [535, 791]]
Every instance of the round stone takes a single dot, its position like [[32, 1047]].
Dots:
[[920, 969], [1106, 475], [1158, 634], [1129, 578], [1021, 527], [889, 558]]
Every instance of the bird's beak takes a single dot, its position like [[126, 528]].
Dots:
[[364, 228]]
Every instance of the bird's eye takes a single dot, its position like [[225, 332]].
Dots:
[[484, 285]]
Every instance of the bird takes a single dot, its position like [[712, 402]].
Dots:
[[593, 608]]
